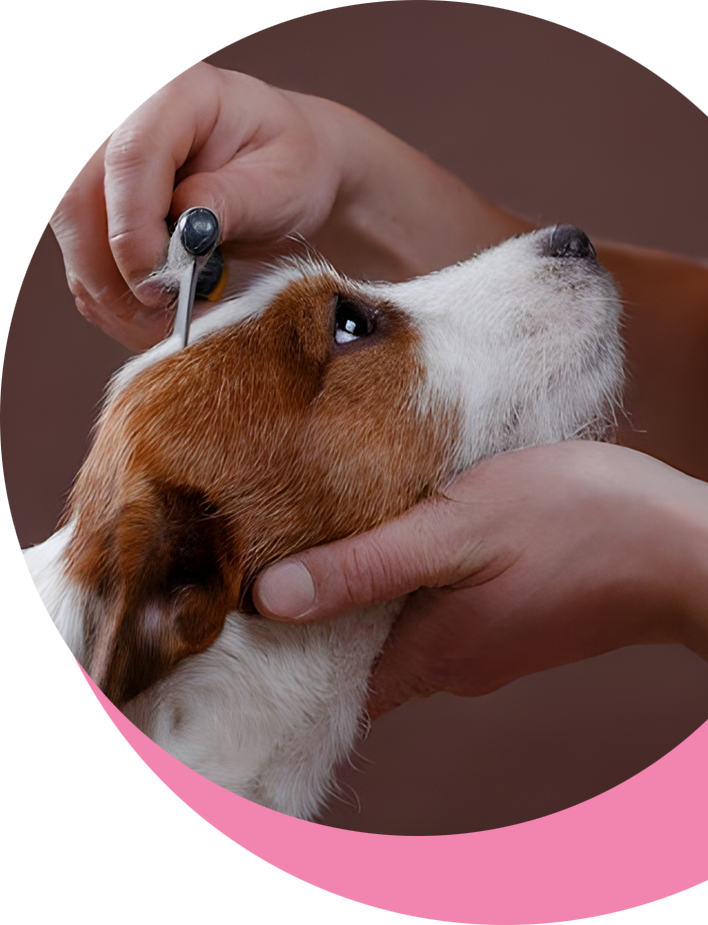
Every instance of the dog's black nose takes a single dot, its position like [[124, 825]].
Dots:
[[569, 241]]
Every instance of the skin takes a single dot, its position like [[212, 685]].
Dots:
[[535, 558], [269, 163]]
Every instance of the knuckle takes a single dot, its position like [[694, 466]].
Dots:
[[360, 585], [81, 295], [126, 149]]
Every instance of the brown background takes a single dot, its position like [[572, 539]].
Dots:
[[552, 125]]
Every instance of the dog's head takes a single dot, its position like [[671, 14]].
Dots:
[[314, 407]]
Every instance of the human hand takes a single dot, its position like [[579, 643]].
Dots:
[[270, 163], [212, 138], [536, 558]]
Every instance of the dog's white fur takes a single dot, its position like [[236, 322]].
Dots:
[[524, 349]]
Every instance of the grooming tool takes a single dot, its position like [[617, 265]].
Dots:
[[199, 262]]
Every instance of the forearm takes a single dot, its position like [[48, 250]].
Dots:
[[696, 637], [666, 335], [397, 214], [685, 565]]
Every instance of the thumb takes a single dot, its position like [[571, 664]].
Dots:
[[414, 551]]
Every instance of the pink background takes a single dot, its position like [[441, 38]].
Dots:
[[154, 842]]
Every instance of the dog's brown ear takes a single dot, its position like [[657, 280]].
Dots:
[[161, 574]]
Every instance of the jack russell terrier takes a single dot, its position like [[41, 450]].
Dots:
[[310, 408]]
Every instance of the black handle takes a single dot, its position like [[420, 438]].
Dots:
[[200, 231]]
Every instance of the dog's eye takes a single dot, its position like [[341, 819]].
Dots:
[[351, 322]]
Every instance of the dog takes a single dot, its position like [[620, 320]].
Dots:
[[310, 408]]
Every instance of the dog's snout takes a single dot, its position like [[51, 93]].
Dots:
[[568, 241]]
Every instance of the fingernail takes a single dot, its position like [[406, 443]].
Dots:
[[286, 590]]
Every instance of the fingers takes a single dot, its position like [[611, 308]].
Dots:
[[215, 139], [392, 686], [402, 673], [421, 549], [141, 161], [266, 177], [81, 227], [469, 535], [462, 536], [111, 226], [210, 138]]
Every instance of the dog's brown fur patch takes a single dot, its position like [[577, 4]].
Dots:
[[252, 444]]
